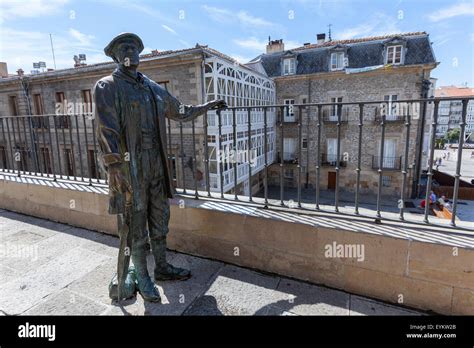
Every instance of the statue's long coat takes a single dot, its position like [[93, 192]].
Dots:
[[119, 134]]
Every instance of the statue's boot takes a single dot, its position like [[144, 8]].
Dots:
[[145, 285], [164, 270]]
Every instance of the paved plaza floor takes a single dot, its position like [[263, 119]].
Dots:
[[48, 268]]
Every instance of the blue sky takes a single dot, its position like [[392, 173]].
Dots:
[[237, 28]]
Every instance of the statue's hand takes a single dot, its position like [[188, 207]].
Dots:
[[218, 104], [117, 182]]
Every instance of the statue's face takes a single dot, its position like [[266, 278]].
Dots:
[[127, 53]]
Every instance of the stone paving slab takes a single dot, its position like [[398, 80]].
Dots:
[[72, 267]]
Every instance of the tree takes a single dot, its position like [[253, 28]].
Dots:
[[453, 134]]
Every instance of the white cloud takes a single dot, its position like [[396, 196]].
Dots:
[[460, 9], [249, 20], [217, 14], [83, 39], [241, 59], [251, 43], [21, 48], [167, 28], [377, 24], [11, 9], [226, 16]]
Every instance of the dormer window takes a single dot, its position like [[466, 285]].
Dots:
[[289, 66], [337, 61], [394, 54]]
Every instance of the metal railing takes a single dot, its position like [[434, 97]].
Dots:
[[65, 147]]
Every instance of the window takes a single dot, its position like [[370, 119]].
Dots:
[[331, 150], [289, 149], [304, 143], [87, 99], [337, 60], [390, 111], [394, 54], [69, 162], [335, 108], [38, 122], [289, 66], [288, 173], [38, 101], [289, 111], [3, 157], [61, 108], [389, 153], [13, 105], [386, 180], [46, 159]]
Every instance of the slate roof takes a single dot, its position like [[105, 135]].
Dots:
[[361, 53]]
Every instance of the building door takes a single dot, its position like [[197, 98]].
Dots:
[[331, 180], [389, 151]]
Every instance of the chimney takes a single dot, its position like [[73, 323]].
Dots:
[[3, 70], [321, 38], [275, 46]]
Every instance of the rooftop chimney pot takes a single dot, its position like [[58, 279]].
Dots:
[[321, 38], [275, 46]]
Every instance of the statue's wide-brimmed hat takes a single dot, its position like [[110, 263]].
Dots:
[[109, 50]]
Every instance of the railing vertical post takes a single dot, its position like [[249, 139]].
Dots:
[[249, 126], [219, 155], [89, 169], [206, 155], [182, 154], [430, 163], [193, 128], [282, 152], [26, 139], [318, 158], [338, 157], [69, 121], [298, 165], [13, 145], [94, 141], [3, 136], [380, 170], [405, 165], [51, 146], [359, 159], [170, 158], [457, 177], [265, 149], [21, 145], [236, 154], [79, 145], [55, 122], [306, 109]]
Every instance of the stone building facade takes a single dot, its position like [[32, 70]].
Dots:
[[65, 145], [387, 69]]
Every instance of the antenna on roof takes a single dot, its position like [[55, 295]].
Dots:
[[269, 39], [329, 32]]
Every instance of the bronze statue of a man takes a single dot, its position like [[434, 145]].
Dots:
[[130, 112]]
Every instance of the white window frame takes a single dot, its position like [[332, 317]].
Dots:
[[333, 114], [289, 115], [289, 66], [331, 150], [339, 61], [391, 53], [391, 99], [289, 149]]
